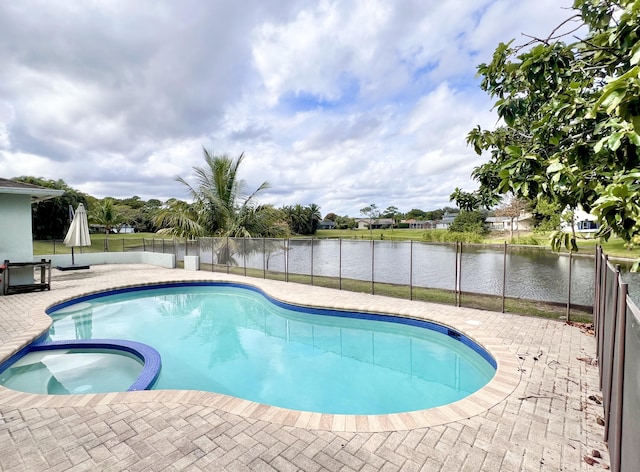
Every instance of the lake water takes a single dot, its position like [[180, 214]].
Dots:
[[533, 273]]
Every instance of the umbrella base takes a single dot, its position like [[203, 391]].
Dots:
[[73, 267]]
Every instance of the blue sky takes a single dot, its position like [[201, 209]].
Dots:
[[338, 103]]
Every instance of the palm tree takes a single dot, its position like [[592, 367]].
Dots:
[[303, 220], [179, 219], [221, 208], [106, 214], [315, 217]]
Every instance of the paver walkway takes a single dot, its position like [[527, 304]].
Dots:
[[548, 423]]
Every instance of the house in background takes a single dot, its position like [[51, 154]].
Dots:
[[16, 238], [419, 224], [446, 220], [376, 223], [326, 224], [583, 223], [523, 222]]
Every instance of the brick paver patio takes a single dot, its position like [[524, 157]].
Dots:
[[546, 422]]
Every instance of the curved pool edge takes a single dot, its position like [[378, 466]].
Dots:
[[504, 382]]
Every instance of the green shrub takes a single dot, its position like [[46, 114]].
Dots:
[[469, 222], [446, 236], [527, 241]]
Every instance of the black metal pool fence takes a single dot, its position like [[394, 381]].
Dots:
[[617, 326], [501, 277]]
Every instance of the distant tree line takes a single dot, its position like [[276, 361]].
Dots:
[[220, 207]]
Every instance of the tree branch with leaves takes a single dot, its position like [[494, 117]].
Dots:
[[570, 113]]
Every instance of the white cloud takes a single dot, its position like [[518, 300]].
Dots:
[[339, 103]]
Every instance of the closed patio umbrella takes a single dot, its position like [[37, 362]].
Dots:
[[78, 234]]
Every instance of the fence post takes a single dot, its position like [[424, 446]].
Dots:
[[603, 301], [122, 244], [311, 260], [244, 254], [212, 241], [596, 288], [228, 250], [504, 275], [264, 258], [411, 269], [340, 263], [373, 258], [458, 270], [144, 247], [569, 287], [610, 346], [621, 313], [286, 260]]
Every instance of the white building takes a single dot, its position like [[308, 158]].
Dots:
[[583, 222], [16, 239]]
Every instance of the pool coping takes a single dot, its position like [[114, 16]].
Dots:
[[505, 381]]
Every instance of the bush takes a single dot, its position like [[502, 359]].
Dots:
[[469, 222], [445, 236], [526, 241]]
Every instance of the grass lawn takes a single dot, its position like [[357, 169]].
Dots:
[[394, 234], [553, 311], [614, 247]]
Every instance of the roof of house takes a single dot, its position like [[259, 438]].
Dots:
[[375, 221], [36, 192]]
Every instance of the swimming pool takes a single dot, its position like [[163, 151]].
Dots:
[[233, 339]]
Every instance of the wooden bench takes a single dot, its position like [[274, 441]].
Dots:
[[45, 276]]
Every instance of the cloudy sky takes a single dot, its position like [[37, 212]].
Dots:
[[340, 103]]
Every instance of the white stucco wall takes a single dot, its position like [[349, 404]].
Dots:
[[96, 258], [15, 228], [16, 244]]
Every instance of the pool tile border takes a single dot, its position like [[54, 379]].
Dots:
[[505, 381]]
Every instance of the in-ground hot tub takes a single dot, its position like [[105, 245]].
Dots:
[[81, 366]]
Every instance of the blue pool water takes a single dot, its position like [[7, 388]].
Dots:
[[234, 340], [67, 371]]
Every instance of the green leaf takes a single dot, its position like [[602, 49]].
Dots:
[[635, 54], [514, 151], [613, 86], [620, 191], [614, 98], [635, 120], [614, 140], [555, 167]]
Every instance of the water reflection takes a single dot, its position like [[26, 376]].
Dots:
[[532, 273], [234, 341]]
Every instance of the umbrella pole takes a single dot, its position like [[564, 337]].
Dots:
[[73, 262]]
